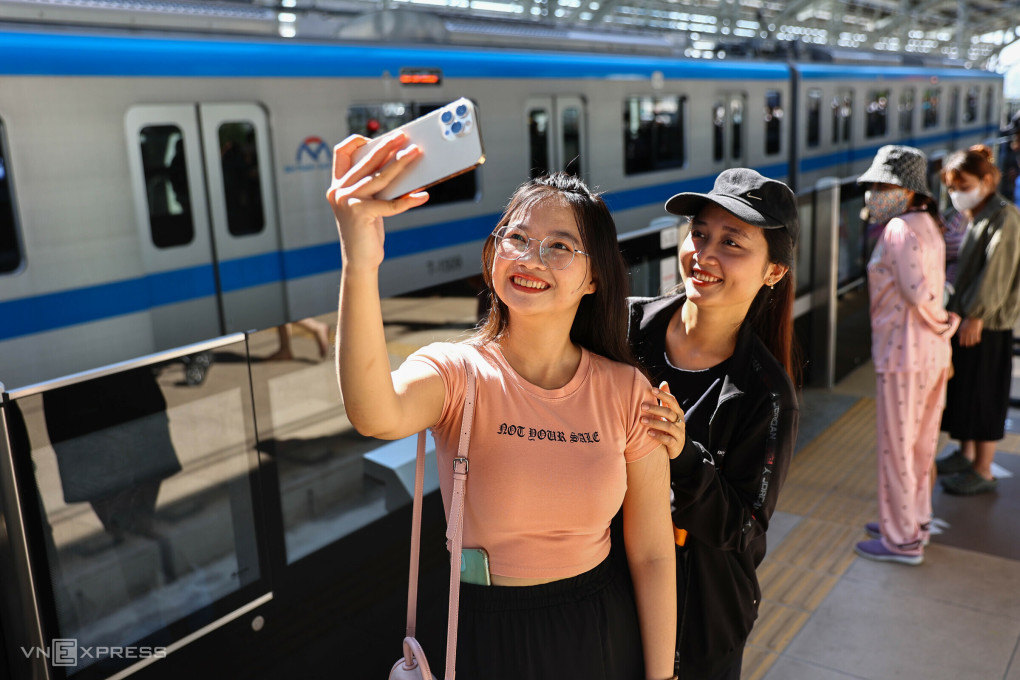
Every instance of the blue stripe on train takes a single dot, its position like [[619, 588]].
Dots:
[[851, 155], [80, 55]]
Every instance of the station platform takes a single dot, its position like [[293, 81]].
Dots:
[[827, 614]]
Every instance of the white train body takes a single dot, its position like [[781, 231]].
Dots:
[[89, 282]]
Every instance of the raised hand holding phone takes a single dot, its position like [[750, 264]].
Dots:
[[352, 195], [451, 140]]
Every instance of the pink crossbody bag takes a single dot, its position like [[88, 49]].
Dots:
[[413, 665]]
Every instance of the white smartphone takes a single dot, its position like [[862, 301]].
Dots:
[[451, 140]]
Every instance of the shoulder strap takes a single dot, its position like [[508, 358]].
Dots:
[[454, 526]]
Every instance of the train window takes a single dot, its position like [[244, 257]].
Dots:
[[373, 120], [875, 115], [814, 117], [166, 181], [907, 111], [10, 251], [990, 106], [653, 133], [930, 107], [737, 119], [719, 127], [842, 116], [242, 187], [538, 141], [773, 121], [570, 131], [970, 108], [954, 106]]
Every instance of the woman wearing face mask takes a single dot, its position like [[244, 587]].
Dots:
[[987, 296], [910, 331]]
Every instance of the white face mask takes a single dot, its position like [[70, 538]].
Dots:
[[966, 200]]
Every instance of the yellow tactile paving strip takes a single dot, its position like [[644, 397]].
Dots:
[[832, 485]]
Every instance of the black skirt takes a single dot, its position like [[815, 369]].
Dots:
[[580, 628], [977, 396]]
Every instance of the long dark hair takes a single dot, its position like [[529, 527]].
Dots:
[[771, 313], [600, 324]]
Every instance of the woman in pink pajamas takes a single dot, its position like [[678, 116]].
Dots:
[[910, 331]]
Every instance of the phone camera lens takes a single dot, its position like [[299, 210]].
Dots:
[[446, 117], [461, 111], [456, 128]]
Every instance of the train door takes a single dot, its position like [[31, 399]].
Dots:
[[235, 141], [842, 131], [729, 148], [557, 135], [204, 203]]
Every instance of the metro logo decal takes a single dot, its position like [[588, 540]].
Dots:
[[312, 154]]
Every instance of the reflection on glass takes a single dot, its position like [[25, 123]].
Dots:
[[334, 481], [166, 185], [653, 134], [144, 481], [814, 117], [875, 113], [538, 142], [853, 246]]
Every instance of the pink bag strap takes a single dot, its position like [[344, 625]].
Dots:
[[454, 527]]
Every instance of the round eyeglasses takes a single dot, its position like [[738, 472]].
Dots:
[[556, 251]]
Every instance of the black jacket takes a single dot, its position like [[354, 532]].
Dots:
[[725, 488]]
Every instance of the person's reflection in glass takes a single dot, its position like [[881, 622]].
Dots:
[[111, 437]]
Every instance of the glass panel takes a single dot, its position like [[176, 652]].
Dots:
[[373, 120], [166, 186], [570, 120], [954, 106], [854, 243], [773, 121], [970, 109], [814, 117], [334, 481], [990, 106], [10, 250], [907, 111], [737, 126], [718, 131], [242, 187], [930, 107], [842, 117], [145, 480], [875, 115], [653, 133], [538, 142]]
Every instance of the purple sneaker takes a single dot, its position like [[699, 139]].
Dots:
[[873, 530], [875, 550]]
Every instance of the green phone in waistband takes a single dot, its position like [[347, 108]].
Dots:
[[474, 566]]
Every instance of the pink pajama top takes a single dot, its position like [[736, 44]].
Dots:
[[910, 328]]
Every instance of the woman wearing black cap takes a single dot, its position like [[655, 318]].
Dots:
[[723, 344]]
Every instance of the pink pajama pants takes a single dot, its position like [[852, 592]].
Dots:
[[907, 431]]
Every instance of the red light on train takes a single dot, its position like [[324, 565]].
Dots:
[[420, 76]]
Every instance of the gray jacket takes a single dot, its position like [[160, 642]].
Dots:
[[987, 285]]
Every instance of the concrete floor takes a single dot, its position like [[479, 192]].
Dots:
[[828, 614]]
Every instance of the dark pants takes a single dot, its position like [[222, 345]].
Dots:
[[580, 628]]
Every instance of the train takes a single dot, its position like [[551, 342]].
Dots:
[[162, 189]]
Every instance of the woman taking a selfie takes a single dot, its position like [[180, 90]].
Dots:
[[723, 344], [551, 358]]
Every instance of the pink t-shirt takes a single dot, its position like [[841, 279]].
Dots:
[[547, 467], [906, 281]]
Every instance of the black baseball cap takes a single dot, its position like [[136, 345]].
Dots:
[[749, 196]]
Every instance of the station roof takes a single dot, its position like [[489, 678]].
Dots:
[[967, 32]]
